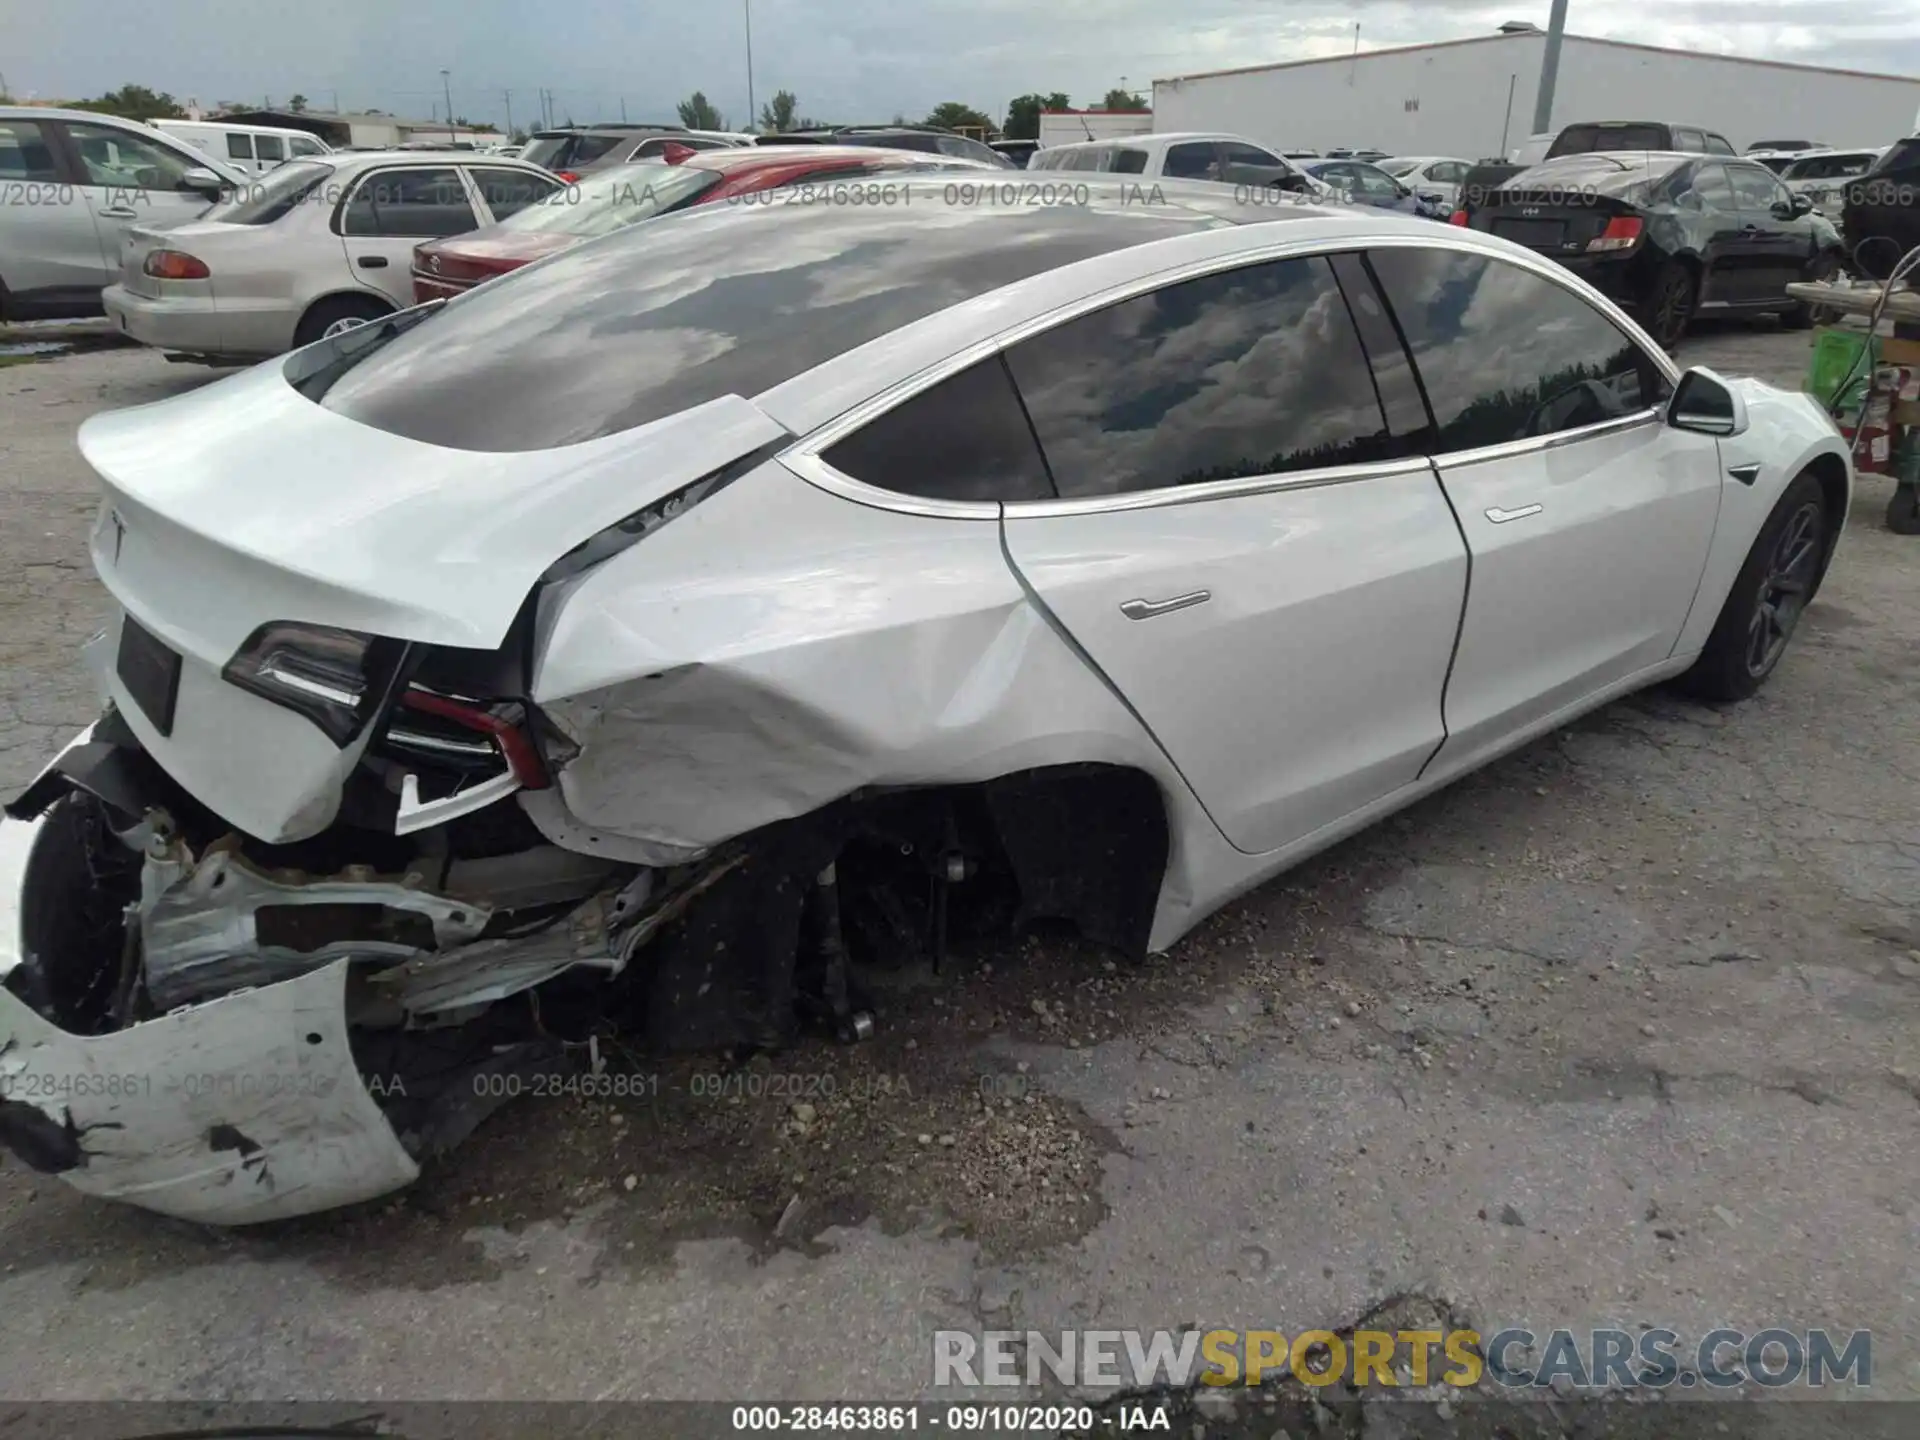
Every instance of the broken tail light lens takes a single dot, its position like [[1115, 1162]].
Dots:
[[1622, 233], [335, 678], [175, 265]]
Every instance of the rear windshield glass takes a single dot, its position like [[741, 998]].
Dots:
[[720, 300], [610, 199], [556, 151], [1577, 175], [263, 201], [1578, 139]]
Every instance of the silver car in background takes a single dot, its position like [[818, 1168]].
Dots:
[[318, 246], [1822, 175], [73, 186]]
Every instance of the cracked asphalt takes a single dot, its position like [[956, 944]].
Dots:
[[1620, 1031]]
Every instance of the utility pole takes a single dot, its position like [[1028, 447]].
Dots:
[[507, 95], [1549, 69], [752, 121], [446, 89], [623, 109], [1506, 123]]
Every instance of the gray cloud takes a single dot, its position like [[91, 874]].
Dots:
[[846, 59]]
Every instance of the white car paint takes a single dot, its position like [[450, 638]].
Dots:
[[254, 149], [1196, 155], [874, 639], [1822, 175], [266, 278], [75, 185], [1441, 175]]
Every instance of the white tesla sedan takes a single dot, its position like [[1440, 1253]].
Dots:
[[821, 581]]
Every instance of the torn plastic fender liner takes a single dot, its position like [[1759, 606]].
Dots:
[[244, 1109]]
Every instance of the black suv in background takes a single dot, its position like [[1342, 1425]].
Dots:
[[893, 137], [1668, 235], [1881, 221]]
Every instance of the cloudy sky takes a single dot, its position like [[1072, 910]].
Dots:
[[845, 59]]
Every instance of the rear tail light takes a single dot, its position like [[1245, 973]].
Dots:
[[1622, 233], [1459, 217], [175, 265], [516, 746], [571, 177], [335, 678]]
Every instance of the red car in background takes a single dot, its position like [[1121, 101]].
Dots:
[[609, 200]]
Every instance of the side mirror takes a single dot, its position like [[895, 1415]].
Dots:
[[1802, 205], [1706, 405], [202, 181]]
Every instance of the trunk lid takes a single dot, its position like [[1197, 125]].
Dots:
[[1563, 210], [473, 258], [245, 502]]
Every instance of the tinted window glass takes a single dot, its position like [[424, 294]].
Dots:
[[425, 203], [1192, 161], [1754, 188], [1691, 141], [1094, 157], [304, 147], [1255, 371], [1130, 162], [269, 147], [965, 439], [1711, 186], [1504, 354], [24, 152], [722, 300], [1393, 376], [239, 147], [509, 191], [1577, 139], [121, 158], [1717, 145], [1238, 152]]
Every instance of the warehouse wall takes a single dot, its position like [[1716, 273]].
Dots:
[[1452, 99]]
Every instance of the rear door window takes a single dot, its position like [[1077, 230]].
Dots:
[[507, 192], [1754, 188], [1254, 371], [1712, 188], [1504, 354], [269, 148], [239, 147], [1691, 141], [964, 439], [1717, 145], [1190, 160], [425, 203], [1129, 162]]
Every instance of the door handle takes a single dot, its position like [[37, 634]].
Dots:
[[1745, 474], [119, 212], [372, 262], [1501, 517], [1147, 609]]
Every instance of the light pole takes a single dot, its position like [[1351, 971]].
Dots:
[[751, 120], [1549, 69], [446, 89]]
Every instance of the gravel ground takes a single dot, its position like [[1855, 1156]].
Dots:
[[1619, 1031]]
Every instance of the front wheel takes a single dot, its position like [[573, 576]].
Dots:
[[1770, 594]]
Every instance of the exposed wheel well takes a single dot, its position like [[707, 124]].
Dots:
[[1831, 472]]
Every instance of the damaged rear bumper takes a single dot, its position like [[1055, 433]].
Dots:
[[244, 1109]]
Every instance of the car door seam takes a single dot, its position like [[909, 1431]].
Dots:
[[1066, 637], [1459, 624]]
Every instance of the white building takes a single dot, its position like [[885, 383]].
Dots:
[[1474, 98], [1066, 127]]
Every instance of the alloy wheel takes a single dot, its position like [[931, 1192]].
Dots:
[[1784, 591], [342, 325]]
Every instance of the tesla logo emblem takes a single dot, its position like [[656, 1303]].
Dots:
[[1532, 212], [119, 528]]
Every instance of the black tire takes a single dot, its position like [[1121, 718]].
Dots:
[[1801, 315], [337, 310], [1769, 595], [1668, 305], [1903, 511]]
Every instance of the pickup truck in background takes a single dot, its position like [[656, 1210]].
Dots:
[[1584, 137]]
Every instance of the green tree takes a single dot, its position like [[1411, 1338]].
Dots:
[[952, 115], [297, 104], [1126, 100], [777, 115], [134, 102], [1023, 113], [697, 113]]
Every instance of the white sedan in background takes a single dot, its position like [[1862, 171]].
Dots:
[[815, 578], [312, 248], [1440, 175]]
